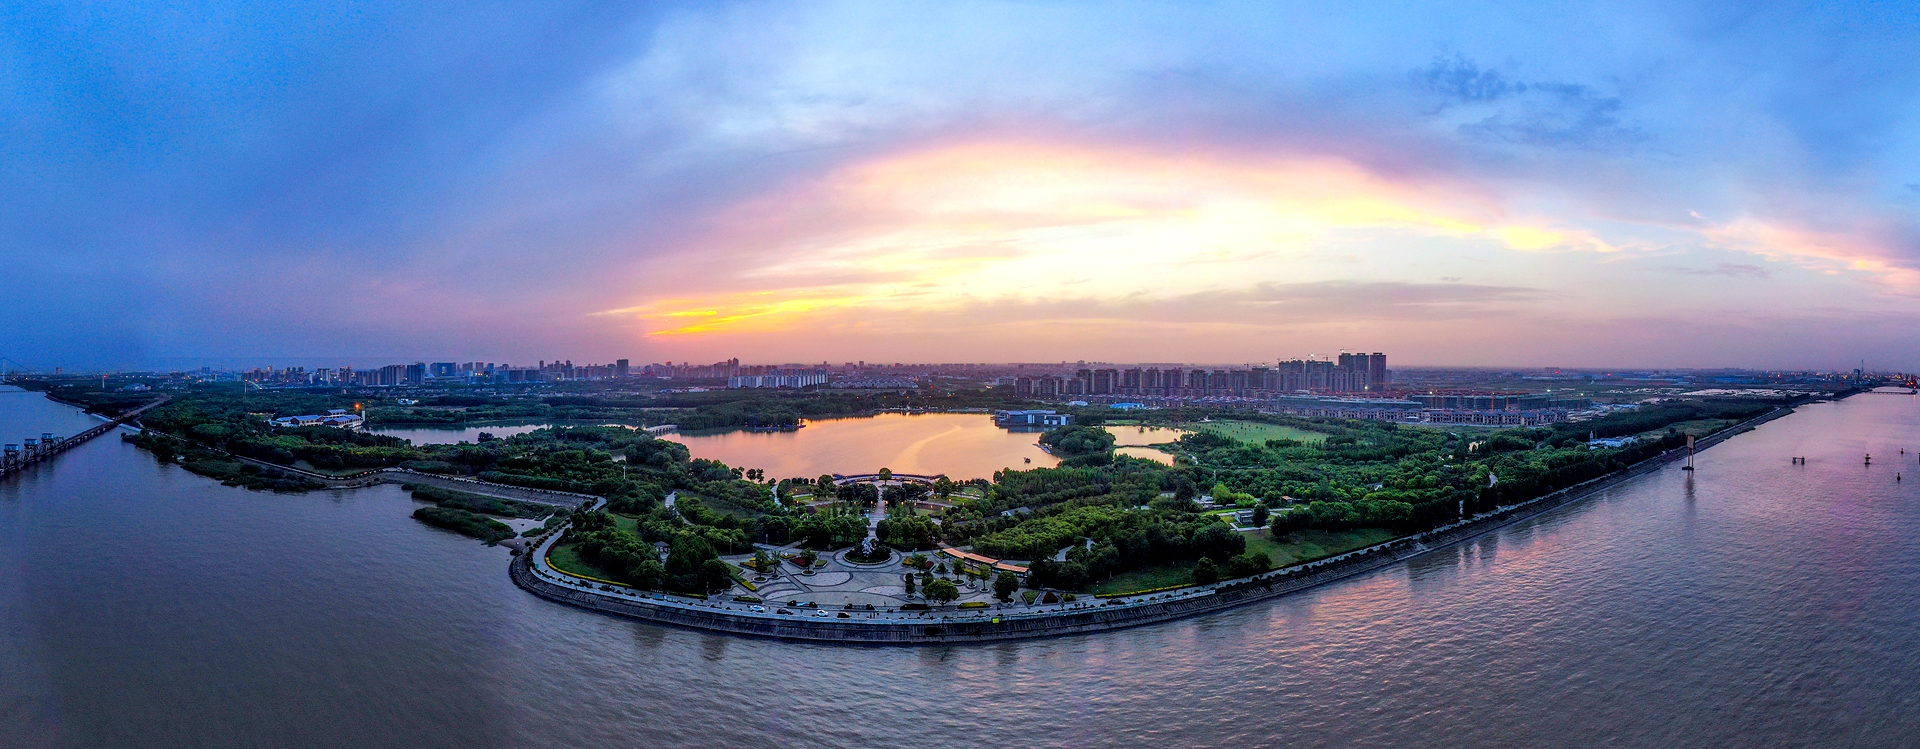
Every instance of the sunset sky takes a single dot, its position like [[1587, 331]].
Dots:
[[1722, 184]]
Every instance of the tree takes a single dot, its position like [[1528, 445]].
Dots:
[[909, 531], [943, 487], [1078, 440], [943, 591], [647, 575], [907, 493], [715, 575], [1004, 586], [822, 484], [909, 579], [762, 561], [1205, 572], [886, 474], [686, 560], [1290, 521], [1249, 564], [1218, 543], [1260, 514]]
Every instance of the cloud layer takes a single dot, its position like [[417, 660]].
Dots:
[[1656, 185]]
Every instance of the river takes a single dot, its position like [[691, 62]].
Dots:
[[1759, 603]]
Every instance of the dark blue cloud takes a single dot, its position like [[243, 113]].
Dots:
[[1538, 113], [1458, 78]]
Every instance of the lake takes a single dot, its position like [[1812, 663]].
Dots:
[[432, 435], [1756, 603], [962, 446]]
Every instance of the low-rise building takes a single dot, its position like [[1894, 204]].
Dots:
[[1032, 418]]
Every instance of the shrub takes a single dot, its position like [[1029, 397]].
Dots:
[[1205, 572], [463, 522]]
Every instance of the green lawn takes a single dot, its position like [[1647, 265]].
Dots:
[[1253, 431], [566, 558], [1308, 545], [1299, 546], [722, 507], [1146, 578], [1698, 428]]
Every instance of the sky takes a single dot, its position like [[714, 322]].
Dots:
[[1497, 184]]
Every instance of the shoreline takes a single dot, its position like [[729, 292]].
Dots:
[[997, 625], [1000, 624]]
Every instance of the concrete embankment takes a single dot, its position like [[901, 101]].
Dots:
[[1013, 624]]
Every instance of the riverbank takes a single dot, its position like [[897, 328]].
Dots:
[[372, 476], [531, 573]]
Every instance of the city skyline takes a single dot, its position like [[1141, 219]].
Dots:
[[1661, 186]]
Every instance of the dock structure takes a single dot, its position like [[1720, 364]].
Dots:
[[15, 457]]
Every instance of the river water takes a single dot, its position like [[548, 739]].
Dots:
[[1760, 603]]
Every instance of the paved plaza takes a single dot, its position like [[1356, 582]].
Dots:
[[840, 582]]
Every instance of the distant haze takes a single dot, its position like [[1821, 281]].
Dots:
[[1453, 183]]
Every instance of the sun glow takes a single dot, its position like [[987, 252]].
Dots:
[[958, 227], [951, 226]]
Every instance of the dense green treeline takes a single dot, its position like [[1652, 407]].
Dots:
[[1095, 516], [1132, 514], [716, 409], [461, 521]]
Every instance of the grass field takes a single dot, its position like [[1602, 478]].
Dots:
[[1308, 545], [1147, 578], [566, 558], [1699, 428], [1253, 431], [728, 509]]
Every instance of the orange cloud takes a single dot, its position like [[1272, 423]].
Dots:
[[964, 226], [1826, 251]]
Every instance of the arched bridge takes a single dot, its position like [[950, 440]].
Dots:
[[911, 478]]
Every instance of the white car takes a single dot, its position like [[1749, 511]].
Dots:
[[757, 609], [821, 614]]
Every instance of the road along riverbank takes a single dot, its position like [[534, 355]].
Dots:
[[532, 573]]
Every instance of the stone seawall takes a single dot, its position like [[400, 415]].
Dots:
[[1013, 625]]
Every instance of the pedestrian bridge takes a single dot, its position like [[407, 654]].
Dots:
[[861, 478]]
